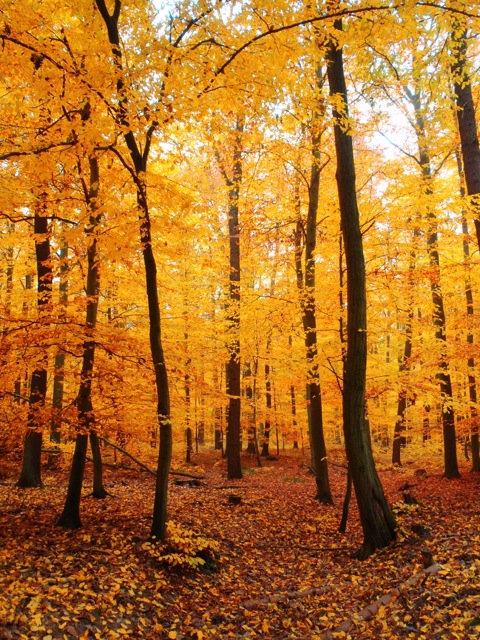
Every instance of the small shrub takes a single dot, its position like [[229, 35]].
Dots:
[[184, 549]]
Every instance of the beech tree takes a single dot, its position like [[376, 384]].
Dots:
[[378, 522]]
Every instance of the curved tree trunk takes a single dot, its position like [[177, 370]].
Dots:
[[378, 522]]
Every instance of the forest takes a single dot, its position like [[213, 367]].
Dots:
[[239, 273]]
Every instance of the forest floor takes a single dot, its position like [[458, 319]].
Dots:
[[283, 571]]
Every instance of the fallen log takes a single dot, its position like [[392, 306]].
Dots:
[[144, 466]]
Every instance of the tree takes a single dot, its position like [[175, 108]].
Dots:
[[233, 369], [30, 475], [467, 125], [378, 522], [306, 284], [137, 170], [70, 517]]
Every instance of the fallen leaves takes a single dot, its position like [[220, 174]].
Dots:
[[283, 570]]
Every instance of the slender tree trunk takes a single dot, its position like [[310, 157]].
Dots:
[[248, 409], [439, 321], [268, 406], [233, 381], [30, 475], [306, 287], [59, 373], [378, 522], [70, 518], [139, 156], [399, 429]]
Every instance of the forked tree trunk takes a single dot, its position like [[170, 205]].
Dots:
[[378, 522], [30, 475]]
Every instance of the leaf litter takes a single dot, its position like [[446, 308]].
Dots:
[[283, 571]]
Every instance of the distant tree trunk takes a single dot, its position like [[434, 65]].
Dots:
[[59, 373], [30, 475], [306, 287], [439, 321], [378, 522], [293, 402], [233, 380], [268, 406], [188, 428], [70, 518], [467, 125], [399, 429], [139, 157]]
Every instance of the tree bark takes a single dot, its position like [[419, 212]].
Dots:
[[472, 385], [59, 373], [378, 522], [439, 321], [306, 285], [30, 475], [233, 380], [70, 518], [467, 125], [399, 429], [139, 157]]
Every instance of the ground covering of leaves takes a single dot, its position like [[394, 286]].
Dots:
[[283, 571]]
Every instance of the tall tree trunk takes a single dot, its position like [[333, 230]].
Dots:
[[30, 475], [233, 381], [467, 125], [306, 286], [70, 518], [378, 522], [472, 386], [139, 156], [59, 373], [439, 321]]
